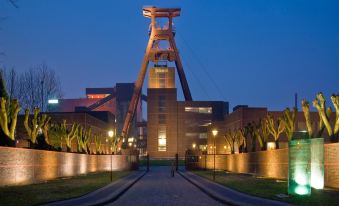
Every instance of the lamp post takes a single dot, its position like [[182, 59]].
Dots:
[[214, 132], [130, 152], [42, 95], [111, 134], [194, 146]]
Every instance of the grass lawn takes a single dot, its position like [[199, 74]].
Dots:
[[269, 188], [53, 190]]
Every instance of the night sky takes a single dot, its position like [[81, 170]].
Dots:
[[246, 52]]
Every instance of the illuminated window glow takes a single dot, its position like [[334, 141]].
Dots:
[[202, 110], [53, 101], [162, 139], [97, 96], [270, 145], [202, 147]]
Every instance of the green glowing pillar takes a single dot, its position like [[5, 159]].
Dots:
[[299, 167], [317, 163]]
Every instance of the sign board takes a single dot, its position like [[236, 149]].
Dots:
[[299, 167], [317, 163]]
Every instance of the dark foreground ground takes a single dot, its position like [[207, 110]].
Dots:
[[56, 189]]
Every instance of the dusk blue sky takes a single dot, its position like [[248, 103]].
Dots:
[[246, 52]]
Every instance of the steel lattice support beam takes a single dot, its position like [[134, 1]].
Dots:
[[154, 54]]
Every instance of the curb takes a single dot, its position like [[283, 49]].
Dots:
[[207, 192], [116, 193], [123, 191], [226, 199]]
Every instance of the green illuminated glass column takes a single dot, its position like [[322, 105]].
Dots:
[[317, 163], [299, 167]]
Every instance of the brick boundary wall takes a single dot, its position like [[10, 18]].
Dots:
[[27, 166], [272, 163]]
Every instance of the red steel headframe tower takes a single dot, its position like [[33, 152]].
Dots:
[[154, 54]]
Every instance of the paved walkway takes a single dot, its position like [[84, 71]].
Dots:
[[157, 187]]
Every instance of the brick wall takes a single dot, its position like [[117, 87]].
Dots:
[[27, 166], [272, 163]]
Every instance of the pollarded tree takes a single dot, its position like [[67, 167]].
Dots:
[[275, 128], [251, 131], [55, 135], [325, 112], [321, 127], [8, 119], [84, 136], [70, 135], [115, 142], [335, 101], [230, 138], [289, 119], [243, 133], [45, 130], [79, 139], [36, 125], [261, 132], [9, 109], [98, 144], [64, 133]]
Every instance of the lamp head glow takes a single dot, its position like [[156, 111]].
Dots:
[[194, 145], [110, 133], [53, 101], [214, 132]]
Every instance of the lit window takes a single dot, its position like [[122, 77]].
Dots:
[[162, 139], [53, 101], [202, 147], [162, 80], [203, 136], [188, 134], [203, 110]]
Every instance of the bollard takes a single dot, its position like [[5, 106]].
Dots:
[[172, 170], [147, 162], [176, 162]]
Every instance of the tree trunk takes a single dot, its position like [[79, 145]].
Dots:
[[245, 150], [276, 144], [241, 149], [6, 141], [254, 144], [334, 138]]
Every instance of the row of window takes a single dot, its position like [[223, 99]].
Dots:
[[199, 135], [203, 110]]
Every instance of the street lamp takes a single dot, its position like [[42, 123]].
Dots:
[[110, 134], [215, 133], [193, 146]]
